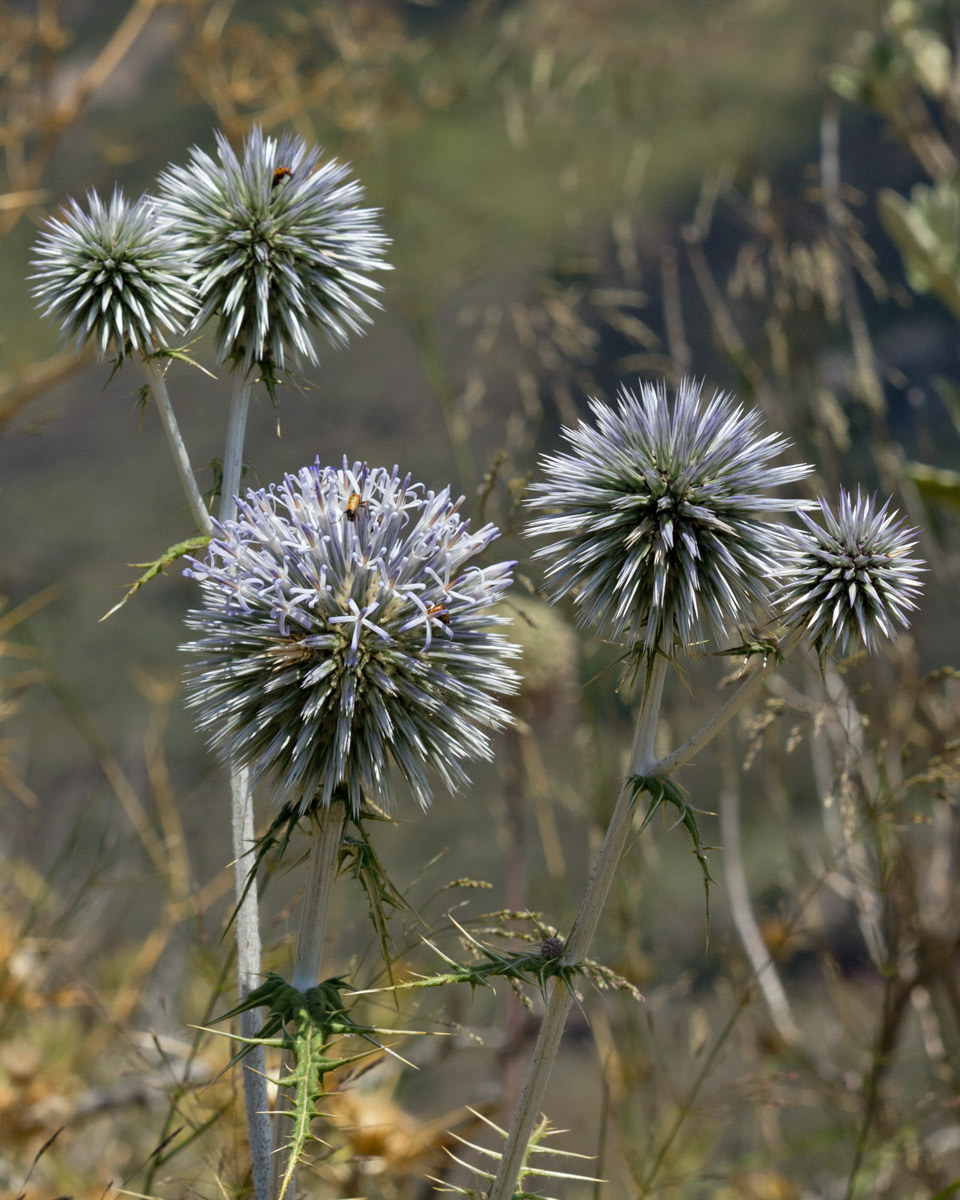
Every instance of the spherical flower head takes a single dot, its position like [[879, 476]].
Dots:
[[850, 580], [656, 515], [114, 275], [278, 245], [345, 625]]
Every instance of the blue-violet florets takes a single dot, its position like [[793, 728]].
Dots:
[[344, 625]]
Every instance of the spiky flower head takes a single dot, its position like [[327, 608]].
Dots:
[[345, 625], [279, 245], [850, 580], [657, 515], [114, 275]]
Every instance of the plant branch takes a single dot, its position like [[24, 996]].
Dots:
[[693, 745], [158, 388]]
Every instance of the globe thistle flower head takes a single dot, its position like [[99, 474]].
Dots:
[[656, 515], [850, 580], [114, 275], [279, 246], [345, 625]]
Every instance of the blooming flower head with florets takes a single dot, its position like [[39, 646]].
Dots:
[[657, 515], [115, 275], [851, 580], [278, 246], [345, 625]]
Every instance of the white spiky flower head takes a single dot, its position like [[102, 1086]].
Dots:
[[279, 246], [114, 275], [657, 515], [850, 580], [346, 625]]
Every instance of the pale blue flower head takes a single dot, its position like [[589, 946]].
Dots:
[[657, 516], [851, 580], [279, 246], [114, 275], [346, 626]]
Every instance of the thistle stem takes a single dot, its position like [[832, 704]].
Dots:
[[642, 762], [326, 836], [727, 711], [581, 935], [158, 387], [255, 1095], [244, 842], [233, 448]]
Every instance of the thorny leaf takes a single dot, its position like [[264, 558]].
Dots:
[[661, 793], [153, 569]]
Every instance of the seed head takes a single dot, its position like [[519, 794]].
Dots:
[[656, 515], [278, 244], [114, 275], [851, 580], [331, 647]]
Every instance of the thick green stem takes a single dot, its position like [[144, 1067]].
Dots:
[[581, 935]]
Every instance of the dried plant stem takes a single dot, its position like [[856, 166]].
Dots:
[[158, 387], [746, 923], [581, 935]]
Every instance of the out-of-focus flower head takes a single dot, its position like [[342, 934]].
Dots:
[[279, 246], [345, 625], [114, 275], [851, 580], [657, 515]]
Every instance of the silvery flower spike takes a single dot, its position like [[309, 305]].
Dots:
[[278, 245], [657, 515], [850, 580], [345, 625], [114, 275]]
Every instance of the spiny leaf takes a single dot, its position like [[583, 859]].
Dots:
[[181, 355], [661, 793], [155, 568]]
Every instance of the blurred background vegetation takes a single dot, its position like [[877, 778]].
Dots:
[[758, 192]]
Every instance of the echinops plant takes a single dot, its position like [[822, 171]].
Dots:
[[347, 626], [349, 632], [660, 523]]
